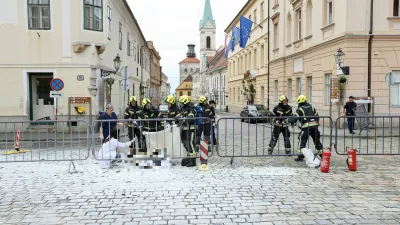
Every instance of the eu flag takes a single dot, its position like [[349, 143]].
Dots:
[[245, 29], [235, 37]]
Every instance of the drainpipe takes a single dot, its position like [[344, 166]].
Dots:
[[371, 27], [268, 57]]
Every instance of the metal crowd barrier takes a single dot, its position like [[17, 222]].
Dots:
[[251, 136], [379, 137], [38, 141], [149, 140]]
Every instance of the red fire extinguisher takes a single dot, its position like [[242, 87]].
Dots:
[[352, 159], [326, 160]]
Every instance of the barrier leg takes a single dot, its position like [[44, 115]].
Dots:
[[69, 168], [203, 155]]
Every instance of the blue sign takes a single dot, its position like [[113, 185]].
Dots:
[[56, 84]]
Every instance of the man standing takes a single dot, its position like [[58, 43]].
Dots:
[[187, 131], [309, 125], [212, 106], [173, 108], [281, 111], [349, 111], [132, 112]]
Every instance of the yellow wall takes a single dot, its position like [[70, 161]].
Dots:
[[185, 87]]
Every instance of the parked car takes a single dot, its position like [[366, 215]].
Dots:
[[255, 112], [164, 110]]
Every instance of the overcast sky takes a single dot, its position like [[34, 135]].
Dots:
[[172, 24]]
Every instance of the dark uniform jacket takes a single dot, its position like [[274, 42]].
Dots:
[[282, 111], [306, 113], [151, 124], [174, 111], [189, 112], [132, 112], [208, 112]]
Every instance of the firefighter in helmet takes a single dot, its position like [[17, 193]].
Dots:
[[132, 113], [150, 113], [281, 111], [205, 126], [309, 119], [188, 130], [173, 108]]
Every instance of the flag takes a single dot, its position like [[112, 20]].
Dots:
[[227, 45], [235, 37], [245, 29]]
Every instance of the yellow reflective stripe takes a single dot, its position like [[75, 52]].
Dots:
[[311, 124], [303, 113], [192, 141]]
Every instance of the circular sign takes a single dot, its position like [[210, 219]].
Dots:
[[390, 78], [56, 84]]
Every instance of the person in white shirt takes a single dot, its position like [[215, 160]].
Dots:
[[109, 148]]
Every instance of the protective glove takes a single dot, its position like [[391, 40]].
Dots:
[[120, 124]]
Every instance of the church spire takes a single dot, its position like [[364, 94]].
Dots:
[[207, 16]]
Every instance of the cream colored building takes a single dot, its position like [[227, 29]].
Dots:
[[165, 87], [247, 67], [77, 42], [305, 36]]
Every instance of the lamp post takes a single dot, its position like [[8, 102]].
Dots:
[[339, 58], [110, 81]]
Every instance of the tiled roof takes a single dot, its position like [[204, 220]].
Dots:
[[218, 61], [190, 60]]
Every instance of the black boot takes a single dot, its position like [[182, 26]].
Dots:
[[191, 163], [299, 158], [185, 161], [132, 153]]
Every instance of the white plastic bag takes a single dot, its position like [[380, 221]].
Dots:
[[311, 160]]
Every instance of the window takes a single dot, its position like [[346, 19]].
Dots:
[[289, 30], [276, 89], [139, 56], [39, 14], [298, 13], [276, 36], [396, 8], [109, 14], [395, 100], [93, 14], [120, 35], [255, 16], [128, 48], [180, 93], [137, 72], [255, 59], [262, 11], [262, 56], [309, 89], [299, 85], [189, 93], [186, 70], [328, 88], [290, 89], [309, 18], [329, 9], [133, 89], [208, 42]]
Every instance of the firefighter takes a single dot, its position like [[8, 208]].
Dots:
[[188, 130], [148, 115], [205, 126], [173, 108], [213, 104], [132, 112], [199, 126], [309, 125], [281, 125]]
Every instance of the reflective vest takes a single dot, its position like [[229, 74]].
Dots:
[[307, 121]]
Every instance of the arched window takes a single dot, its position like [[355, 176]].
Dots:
[[208, 42]]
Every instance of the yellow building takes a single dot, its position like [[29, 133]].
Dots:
[[185, 88]]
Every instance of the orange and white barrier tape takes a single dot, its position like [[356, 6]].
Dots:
[[203, 155]]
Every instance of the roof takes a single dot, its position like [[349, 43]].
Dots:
[[209, 58], [219, 61], [189, 78], [207, 16], [190, 60]]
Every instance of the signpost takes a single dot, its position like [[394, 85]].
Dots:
[[390, 80], [56, 85]]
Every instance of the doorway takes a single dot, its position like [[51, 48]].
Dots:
[[41, 106]]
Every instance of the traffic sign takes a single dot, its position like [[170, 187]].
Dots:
[[55, 94], [56, 84], [390, 78], [125, 85]]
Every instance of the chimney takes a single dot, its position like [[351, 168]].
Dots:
[[191, 52]]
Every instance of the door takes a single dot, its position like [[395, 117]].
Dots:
[[41, 105]]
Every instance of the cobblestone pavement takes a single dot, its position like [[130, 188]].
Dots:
[[263, 190]]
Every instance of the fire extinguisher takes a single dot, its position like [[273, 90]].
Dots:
[[326, 160], [352, 159]]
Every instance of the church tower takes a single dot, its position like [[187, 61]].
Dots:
[[207, 35]]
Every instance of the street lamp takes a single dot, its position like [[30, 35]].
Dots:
[[109, 82], [117, 63], [339, 58]]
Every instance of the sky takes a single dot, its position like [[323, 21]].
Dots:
[[173, 24]]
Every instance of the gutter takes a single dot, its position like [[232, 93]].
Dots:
[[371, 36], [268, 54]]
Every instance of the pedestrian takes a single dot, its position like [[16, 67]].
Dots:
[[109, 148], [349, 111], [281, 111], [309, 125], [187, 130], [132, 113], [107, 126], [213, 104]]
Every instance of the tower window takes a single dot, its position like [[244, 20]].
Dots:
[[208, 42]]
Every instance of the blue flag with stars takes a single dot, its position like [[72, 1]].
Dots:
[[245, 29], [235, 37]]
